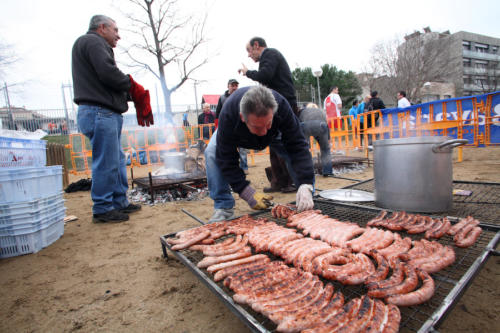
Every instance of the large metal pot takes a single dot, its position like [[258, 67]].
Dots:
[[415, 174], [174, 161]]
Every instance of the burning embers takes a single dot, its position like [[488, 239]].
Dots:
[[176, 192]]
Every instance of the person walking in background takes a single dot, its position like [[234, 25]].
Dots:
[[101, 91], [313, 122], [185, 121], [274, 73], [232, 86], [251, 118], [353, 112], [402, 100], [333, 108], [206, 118], [375, 103]]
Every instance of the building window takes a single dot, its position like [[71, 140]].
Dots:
[[466, 45], [494, 49], [467, 80], [481, 64], [482, 48], [467, 62]]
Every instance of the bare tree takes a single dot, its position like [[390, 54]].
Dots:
[[408, 65], [169, 38], [7, 58]]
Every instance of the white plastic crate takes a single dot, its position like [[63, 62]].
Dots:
[[16, 152], [29, 209], [11, 246], [31, 183], [30, 223]]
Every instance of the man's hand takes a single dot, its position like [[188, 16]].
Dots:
[[243, 70], [142, 103], [256, 200], [304, 198]]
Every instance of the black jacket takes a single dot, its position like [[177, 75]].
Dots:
[[222, 99], [96, 78], [376, 104], [274, 73], [233, 133]]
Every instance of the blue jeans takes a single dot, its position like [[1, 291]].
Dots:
[[109, 173], [218, 187], [243, 158], [319, 130]]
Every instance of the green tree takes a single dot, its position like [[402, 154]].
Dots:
[[306, 85]]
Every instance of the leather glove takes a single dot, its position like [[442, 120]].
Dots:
[[256, 200], [304, 198], [142, 103]]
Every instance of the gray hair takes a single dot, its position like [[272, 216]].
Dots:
[[257, 101], [97, 20]]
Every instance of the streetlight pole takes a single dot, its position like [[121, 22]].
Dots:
[[317, 74]]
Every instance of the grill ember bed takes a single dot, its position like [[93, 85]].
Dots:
[[190, 181], [450, 282]]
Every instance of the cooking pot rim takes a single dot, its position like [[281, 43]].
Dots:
[[412, 140]]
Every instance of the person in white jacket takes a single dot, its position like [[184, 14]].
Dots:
[[402, 100]]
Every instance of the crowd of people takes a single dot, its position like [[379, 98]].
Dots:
[[266, 115]]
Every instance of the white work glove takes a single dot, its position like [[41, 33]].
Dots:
[[304, 199]]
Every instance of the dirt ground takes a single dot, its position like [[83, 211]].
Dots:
[[112, 277]]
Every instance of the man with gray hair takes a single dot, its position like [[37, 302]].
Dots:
[[102, 91], [251, 118]]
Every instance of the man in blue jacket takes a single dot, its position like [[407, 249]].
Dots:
[[251, 118], [102, 91]]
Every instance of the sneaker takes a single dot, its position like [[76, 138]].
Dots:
[[112, 216], [222, 214], [131, 208]]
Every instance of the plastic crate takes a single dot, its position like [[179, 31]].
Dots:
[[28, 207], [16, 153], [31, 183], [30, 222], [11, 246]]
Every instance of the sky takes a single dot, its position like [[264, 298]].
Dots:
[[308, 33]]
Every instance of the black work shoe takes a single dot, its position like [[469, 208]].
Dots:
[[288, 189], [130, 208], [113, 216], [271, 189]]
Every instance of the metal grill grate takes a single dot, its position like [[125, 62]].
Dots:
[[450, 282], [483, 204]]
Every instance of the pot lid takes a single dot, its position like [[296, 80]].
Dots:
[[411, 140], [347, 195]]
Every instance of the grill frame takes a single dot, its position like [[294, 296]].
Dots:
[[421, 318]]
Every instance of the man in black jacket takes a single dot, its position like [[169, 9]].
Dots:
[[375, 103], [274, 73], [252, 118], [101, 91]]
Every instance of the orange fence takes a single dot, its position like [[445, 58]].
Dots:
[[473, 118]]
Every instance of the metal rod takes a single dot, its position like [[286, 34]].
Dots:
[[191, 215], [351, 179]]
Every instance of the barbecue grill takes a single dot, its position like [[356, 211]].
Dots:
[[483, 204], [450, 283], [188, 180]]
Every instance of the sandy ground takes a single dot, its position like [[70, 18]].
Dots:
[[112, 277]]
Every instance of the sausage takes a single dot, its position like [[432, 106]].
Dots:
[[393, 320], [216, 267], [470, 238], [419, 296], [202, 235], [221, 274], [408, 285], [208, 261]]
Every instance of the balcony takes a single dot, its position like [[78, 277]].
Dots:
[[480, 55], [482, 71]]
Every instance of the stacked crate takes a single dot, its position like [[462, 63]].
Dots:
[[31, 200]]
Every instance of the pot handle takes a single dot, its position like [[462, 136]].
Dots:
[[449, 145]]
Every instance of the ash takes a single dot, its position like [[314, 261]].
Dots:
[[176, 193]]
